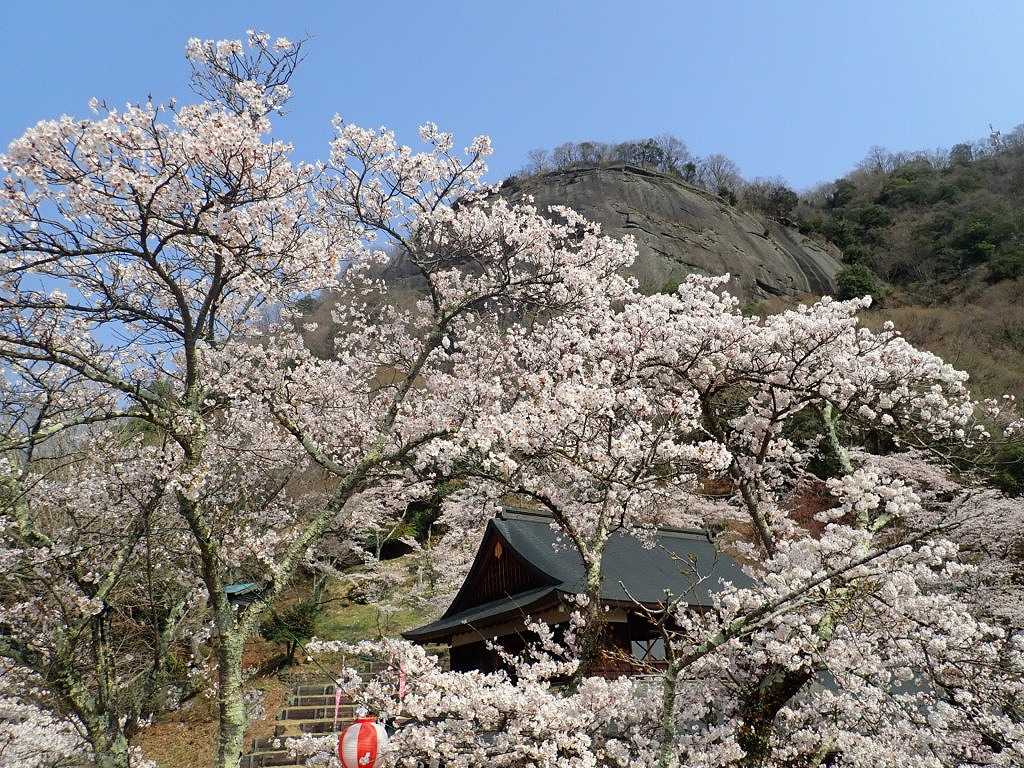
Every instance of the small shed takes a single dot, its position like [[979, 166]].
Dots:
[[243, 594], [523, 569]]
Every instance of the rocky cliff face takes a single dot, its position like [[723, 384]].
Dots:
[[680, 229]]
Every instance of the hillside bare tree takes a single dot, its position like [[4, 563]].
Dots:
[[719, 175]]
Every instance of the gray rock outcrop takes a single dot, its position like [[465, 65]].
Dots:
[[680, 229]]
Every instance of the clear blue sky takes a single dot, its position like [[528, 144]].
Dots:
[[796, 89]]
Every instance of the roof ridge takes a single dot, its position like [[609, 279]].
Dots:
[[510, 512]]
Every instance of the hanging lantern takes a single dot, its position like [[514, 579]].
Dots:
[[360, 743]]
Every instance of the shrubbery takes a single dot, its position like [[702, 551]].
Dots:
[[859, 280]]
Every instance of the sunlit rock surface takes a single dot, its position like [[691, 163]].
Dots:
[[681, 229]]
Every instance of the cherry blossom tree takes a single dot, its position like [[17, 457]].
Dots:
[[139, 256], [757, 381], [131, 246], [582, 435], [404, 378], [30, 735], [760, 384], [678, 407], [95, 601]]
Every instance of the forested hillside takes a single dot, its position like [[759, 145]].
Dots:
[[924, 219], [939, 237]]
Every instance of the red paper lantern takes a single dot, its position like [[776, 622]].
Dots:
[[360, 743]]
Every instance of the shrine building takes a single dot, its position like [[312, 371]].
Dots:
[[524, 569]]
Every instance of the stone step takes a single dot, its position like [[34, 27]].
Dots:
[[287, 728], [310, 710], [318, 701], [278, 759], [268, 744], [315, 690], [309, 689], [346, 711]]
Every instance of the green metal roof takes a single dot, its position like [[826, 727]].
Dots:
[[241, 589]]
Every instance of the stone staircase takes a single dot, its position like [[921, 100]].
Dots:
[[310, 710]]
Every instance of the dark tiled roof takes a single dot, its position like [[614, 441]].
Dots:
[[680, 560], [484, 615]]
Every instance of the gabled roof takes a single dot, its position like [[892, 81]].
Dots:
[[504, 609], [682, 561]]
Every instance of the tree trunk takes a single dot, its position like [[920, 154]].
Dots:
[[104, 725], [590, 640], [109, 744], [759, 711], [668, 757], [316, 594], [230, 701]]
